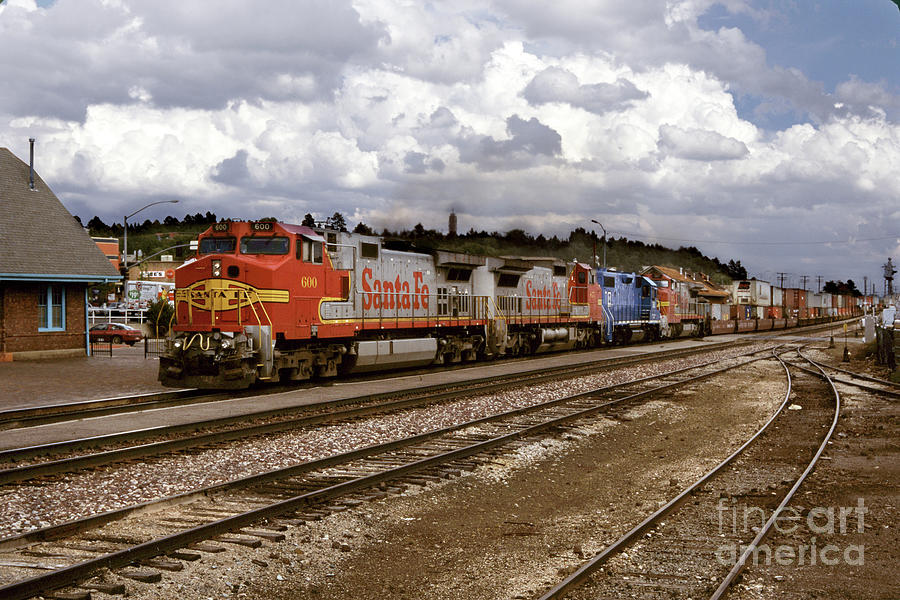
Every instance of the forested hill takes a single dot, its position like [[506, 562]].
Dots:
[[621, 253]]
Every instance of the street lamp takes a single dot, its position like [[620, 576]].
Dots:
[[604, 241], [125, 257]]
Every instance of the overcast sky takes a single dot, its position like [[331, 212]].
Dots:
[[764, 131]]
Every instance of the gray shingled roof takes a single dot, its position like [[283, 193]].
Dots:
[[38, 236]]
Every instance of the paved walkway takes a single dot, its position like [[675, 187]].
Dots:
[[41, 382]]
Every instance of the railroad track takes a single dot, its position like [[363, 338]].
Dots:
[[697, 544], [882, 386], [42, 415], [220, 515], [121, 446]]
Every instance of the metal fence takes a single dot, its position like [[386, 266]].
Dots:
[[108, 315], [154, 346], [101, 348]]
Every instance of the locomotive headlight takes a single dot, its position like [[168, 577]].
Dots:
[[178, 343], [217, 268]]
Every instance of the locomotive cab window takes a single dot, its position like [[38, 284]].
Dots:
[[559, 270], [217, 245], [609, 282], [582, 277], [311, 251], [265, 245]]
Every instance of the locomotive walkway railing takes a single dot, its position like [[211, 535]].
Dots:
[[435, 310]]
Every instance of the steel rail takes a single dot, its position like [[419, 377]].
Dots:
[[31, 416], [856, 384], [427, 394], [52, 413], [742, 561], [853, 374], [588, 568], [53, 532], [35, 585], [591, 566], [70, 411]]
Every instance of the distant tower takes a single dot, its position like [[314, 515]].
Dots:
[[451, 224], [889, 272]]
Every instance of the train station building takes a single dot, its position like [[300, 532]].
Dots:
[[47, 263]]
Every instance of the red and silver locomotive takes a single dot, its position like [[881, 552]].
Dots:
[[266, 301]]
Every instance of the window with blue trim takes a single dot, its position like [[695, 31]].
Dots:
[[52, 308]]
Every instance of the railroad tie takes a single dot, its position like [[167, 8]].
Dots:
[[272, 536], [113, 589], [188, 556], [161, 563], [142, 576], [238, 541], [81, 595], [206, 548]]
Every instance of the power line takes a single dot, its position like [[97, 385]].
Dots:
[[738, 243]]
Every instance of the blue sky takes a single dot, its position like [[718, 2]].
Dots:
[[827, 41], [760, 131]]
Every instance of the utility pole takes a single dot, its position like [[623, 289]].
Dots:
[[781, 285], [803, 278], [819, 279]]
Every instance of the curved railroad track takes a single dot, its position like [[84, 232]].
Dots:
[[72, 552], [692, 547]]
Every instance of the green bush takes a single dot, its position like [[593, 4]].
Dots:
[[159, 317]]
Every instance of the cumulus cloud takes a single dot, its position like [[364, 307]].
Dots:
[[529, 144], [180, 54], [698, 144], [518, 114], [558, 85]]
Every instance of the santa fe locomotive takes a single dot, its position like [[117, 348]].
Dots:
[[267, 301]]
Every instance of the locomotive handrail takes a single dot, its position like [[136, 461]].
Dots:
[[253, 308]]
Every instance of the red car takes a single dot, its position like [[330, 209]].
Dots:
[[116, 333]]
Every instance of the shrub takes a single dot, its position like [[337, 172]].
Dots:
[[159, 317]]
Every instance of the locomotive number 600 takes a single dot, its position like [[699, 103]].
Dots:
[[309, 282]]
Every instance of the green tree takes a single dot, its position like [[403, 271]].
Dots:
[[363, 229], [337, 222]]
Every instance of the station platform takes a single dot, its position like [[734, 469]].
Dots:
[[27, 383]]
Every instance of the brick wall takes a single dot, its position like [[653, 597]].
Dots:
[[19, 319]]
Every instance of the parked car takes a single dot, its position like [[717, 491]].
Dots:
[[116, 333]]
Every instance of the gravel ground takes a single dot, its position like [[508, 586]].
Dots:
[[512, 527], [30, 506], [860, 470]]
